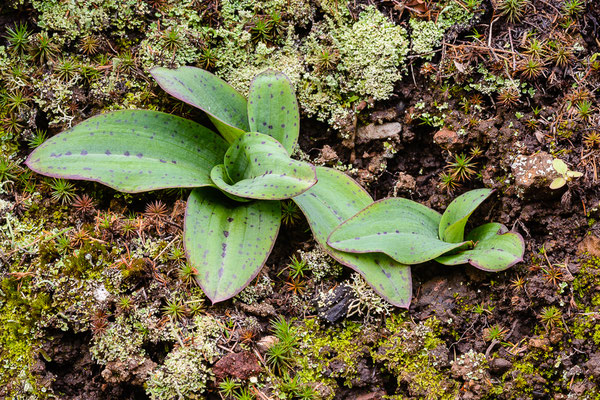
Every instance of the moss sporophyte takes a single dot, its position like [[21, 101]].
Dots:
[[240, 178]]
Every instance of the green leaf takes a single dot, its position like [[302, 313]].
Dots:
[[225, 106], [557, 183], [495, 249], [334, 199], [454, 219], [228, 242], [560, 166], [272, 108], [258, 167], [403, 229], [132, 151]]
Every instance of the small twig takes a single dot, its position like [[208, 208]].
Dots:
[[513, 50], [166, 247]]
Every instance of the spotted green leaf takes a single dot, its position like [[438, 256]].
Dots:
[[335, 198], [225, 106], [495, 249], [228, 242], [272, 108], [403, 229], [454, 219], [132, 151], [257, 166]]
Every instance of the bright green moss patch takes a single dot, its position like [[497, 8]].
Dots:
[[409, 354], [329, 354]]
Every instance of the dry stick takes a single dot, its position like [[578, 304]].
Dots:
[[513, 51], [473, 46], [490, 38], [549, 5], [166, 247]]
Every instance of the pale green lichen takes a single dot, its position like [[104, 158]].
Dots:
[[263, 288], [119, 342], [72, 19], [183, 375], [372, 51], [366, 303], [321, 265], [185, 371], [427, 35]]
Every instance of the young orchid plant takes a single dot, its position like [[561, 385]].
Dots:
[[238, 177], [412, 233]]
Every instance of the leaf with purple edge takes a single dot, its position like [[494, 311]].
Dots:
[[273, 109], [228, 242], [454, 219], [257, 166], [403, 229], [495, 249], [132, 151], [335, 198], [225, 106]]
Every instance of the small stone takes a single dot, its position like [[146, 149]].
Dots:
[[593, 365], [266, 342], [261, 309], [328, 154], [590, 245], [539, 343], [383, 115], [333, 306], [446, 138], [371, 396], [135, 370], [533, 174], [405, 184], [240, 365], [500, 365], [390, 130]]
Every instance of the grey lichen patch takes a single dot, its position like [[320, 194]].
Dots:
[[366, 303], [184, 374], [119, 342], [262, 289], [321, 265], [370, 55], [185, 371]]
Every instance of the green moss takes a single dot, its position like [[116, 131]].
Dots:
[[330, 354], [407, 354]]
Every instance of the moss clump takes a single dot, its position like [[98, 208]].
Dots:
[[414, 354], [328, 355]]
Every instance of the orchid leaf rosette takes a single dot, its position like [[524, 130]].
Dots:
[[238, 176]]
